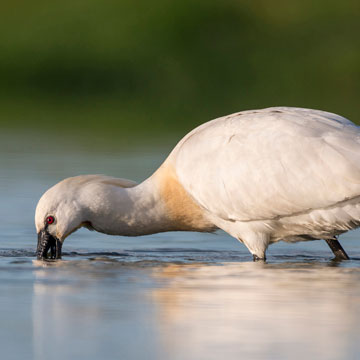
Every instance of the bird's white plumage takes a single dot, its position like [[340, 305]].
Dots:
[[270, 163], [262, 176], [259, 166]]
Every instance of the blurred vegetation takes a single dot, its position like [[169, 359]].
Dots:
[[131, 67]]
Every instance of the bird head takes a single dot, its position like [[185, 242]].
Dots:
[[69, 205], [57, 215]]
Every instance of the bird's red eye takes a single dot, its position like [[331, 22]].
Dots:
[[50, 219]]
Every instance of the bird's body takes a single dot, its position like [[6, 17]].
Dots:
[[262, 176]]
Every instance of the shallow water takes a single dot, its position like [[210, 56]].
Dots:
[[164, 296]]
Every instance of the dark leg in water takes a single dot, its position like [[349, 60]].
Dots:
[[256, 258], [337, 249]]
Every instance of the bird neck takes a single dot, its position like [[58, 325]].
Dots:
[[129, 211], [158, 204]]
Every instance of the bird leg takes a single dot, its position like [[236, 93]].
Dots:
[[256, 258], [337, 249], [257, 244]]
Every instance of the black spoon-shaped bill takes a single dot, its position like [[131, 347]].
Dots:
[[48, 246]]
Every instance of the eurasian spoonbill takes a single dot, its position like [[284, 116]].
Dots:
[[262, 176]]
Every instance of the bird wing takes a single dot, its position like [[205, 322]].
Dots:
[[270, 163]]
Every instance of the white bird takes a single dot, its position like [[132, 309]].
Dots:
[[262, 176]]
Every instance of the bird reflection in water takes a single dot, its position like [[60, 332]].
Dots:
[[259, 311], [197, 311]]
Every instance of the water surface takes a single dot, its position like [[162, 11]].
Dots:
[[164, 296]]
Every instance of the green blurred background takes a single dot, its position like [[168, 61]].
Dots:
[[142, 69]]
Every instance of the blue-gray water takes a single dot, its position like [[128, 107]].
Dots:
[[164, 296]]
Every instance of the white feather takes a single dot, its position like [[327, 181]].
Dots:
[[293, 170]]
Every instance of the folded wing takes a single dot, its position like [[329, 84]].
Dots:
[[270, 163]]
